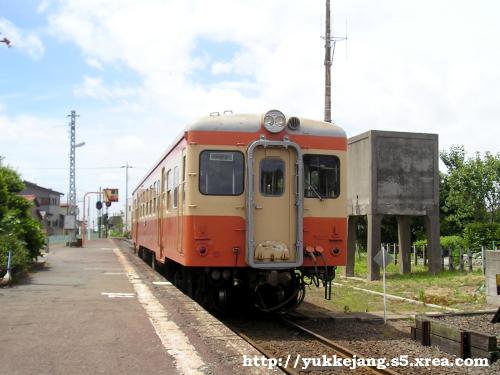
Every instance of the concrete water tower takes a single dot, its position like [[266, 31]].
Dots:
[[393, 173]]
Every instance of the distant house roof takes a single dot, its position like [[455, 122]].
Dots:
[[36, 203], [31, 198], [33, 185]]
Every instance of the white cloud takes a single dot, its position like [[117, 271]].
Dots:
[[94, 63], [21, 129], [94, 88], [25, 41], [158, 40], [222, 67], [43, 5]]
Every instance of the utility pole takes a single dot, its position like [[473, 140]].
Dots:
[[328, 66], [329, 53], [127, 166], [99, 216], [72, 207]]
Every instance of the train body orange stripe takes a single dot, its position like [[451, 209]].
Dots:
[[243, 139], [221, 236]]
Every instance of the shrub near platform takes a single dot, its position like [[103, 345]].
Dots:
[[19, 232], [21, 259]]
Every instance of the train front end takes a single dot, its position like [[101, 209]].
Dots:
[[262, 209], [295, 209]]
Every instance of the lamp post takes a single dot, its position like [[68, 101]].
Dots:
[[84, 224], [127, 166]]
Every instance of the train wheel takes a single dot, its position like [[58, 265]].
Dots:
[[202, 296], [178, 280], [222, 299], [189, 282]]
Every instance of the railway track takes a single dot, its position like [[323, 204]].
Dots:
[[297, 344], [291, 364], [279, 337], [341, 350]]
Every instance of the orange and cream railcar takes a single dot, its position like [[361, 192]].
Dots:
[[247, 207]]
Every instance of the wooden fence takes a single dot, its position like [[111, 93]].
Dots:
[[462, 343], [465, 260]]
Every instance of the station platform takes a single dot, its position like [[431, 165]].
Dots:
[[101, 310]]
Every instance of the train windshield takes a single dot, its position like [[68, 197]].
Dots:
[[221, 172], [321, 176], [272, 177]]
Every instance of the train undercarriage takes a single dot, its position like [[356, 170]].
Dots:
[[230, 289]]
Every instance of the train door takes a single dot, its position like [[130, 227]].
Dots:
[[138, 207], [161, 207], [274, 207], [179, 192]]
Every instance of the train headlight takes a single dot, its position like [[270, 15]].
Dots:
[[274, 121], [335, 251]]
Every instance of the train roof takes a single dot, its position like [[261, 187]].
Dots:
[[251, 123]]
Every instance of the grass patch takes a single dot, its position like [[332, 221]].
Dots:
[[460, 290]]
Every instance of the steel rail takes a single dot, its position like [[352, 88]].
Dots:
[[345, 352], [260, 349]]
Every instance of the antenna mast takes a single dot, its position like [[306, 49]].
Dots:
[[329, 53]]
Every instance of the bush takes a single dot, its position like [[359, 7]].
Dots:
[[21, 259], [452, 242], [420, 243], [19, 232], [446, 242], [455, 243], [481, 234]]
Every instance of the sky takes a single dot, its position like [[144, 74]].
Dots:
[[138, 71]]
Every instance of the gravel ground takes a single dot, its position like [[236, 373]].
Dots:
[[479, 323], [280, 341], [376, 340]]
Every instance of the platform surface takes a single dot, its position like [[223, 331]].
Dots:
[[101, 310]]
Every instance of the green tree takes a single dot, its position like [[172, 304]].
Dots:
[[19, 232], [470, 190]]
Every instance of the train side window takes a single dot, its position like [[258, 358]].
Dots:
[[272, 177], [321, 176], [221, 172], [184, 180], [148, 193], [158, 195], [169, 189], [163, 189], [150, 210], [143, 203], [176, 186], [154, 197]]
